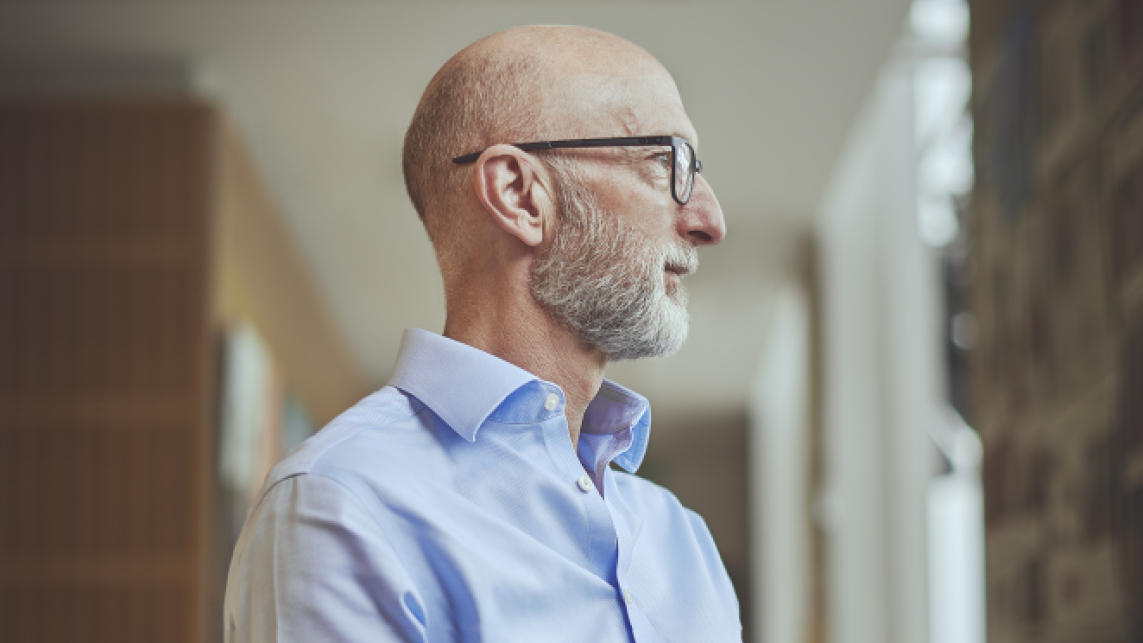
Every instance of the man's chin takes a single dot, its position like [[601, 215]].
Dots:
[[664, 341], [677, 295]]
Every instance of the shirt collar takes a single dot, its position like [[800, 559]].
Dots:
[[461, 384], [614, 410], [464, 385]]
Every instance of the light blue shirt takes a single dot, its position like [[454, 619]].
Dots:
[[452, 506]]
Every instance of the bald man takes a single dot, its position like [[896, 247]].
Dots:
[[472, 499]]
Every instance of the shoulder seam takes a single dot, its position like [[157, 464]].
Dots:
[[320, 455], [308, 470]]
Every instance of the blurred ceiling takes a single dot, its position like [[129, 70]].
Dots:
[[322, 92]]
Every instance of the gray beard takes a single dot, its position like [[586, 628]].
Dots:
[[603, 281]]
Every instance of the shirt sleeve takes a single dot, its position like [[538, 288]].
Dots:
[[313, 565]]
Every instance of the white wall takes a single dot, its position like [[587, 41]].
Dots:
[[881, 377], [778, 476]]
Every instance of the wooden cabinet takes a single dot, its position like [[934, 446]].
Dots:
[[131, 234]]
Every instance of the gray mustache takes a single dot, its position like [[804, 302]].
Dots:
[[681, 258]]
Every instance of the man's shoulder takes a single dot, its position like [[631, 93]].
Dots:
[[369, 429], [650, 498]]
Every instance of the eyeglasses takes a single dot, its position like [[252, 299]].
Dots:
[[684, 165]]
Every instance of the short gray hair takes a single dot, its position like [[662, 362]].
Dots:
[[473, 102]]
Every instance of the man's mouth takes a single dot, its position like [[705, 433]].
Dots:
[[679, 262]]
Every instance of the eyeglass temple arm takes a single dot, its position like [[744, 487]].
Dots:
[[574, 143]]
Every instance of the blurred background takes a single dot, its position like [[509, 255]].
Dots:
[[920, 347]]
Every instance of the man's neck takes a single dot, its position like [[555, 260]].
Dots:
[[528, 337]]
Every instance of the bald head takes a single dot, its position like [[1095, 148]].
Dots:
[[523, 84]]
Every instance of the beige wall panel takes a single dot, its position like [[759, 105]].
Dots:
[[264, 279]]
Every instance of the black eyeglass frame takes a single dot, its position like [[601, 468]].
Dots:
[[626, 141]]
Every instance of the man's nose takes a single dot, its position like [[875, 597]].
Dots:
[[701, 222]]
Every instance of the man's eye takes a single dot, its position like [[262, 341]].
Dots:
[[664, 159]]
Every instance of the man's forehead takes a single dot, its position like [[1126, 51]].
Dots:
[[640, 103]]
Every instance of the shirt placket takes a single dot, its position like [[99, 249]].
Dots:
[[600, 539]]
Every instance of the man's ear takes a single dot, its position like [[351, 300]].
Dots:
[[512, 189]]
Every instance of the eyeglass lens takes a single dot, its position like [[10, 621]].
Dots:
[[684, 171]]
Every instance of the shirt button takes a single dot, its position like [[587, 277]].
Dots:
[[585, 484], [552, 402], [626, 596]]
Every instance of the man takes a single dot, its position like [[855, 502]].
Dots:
[[471, 499]]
